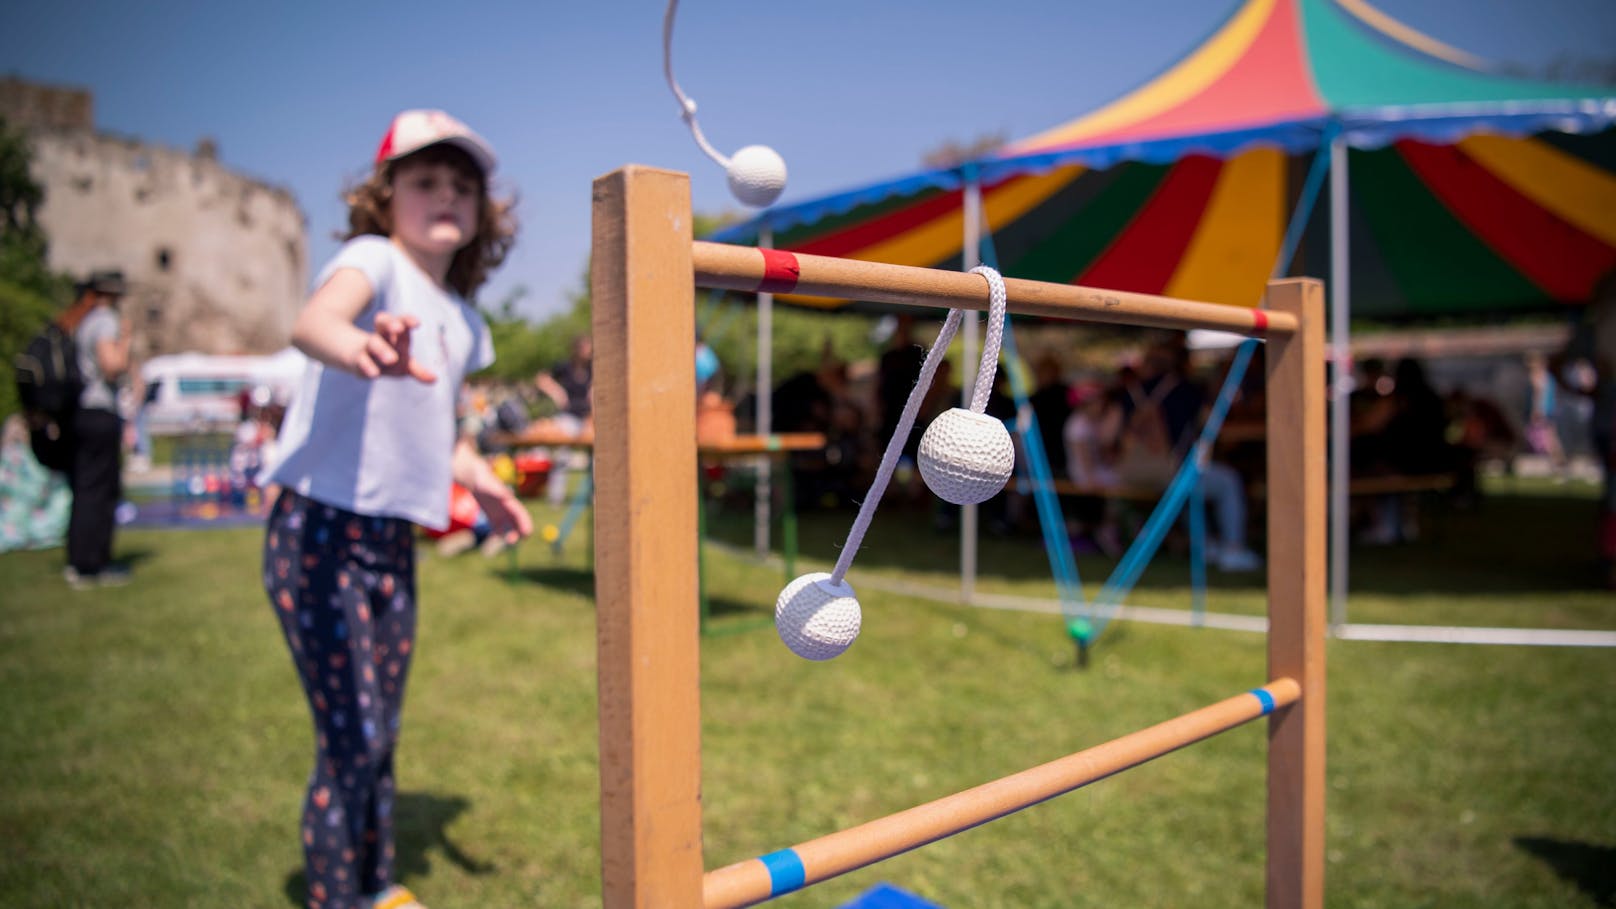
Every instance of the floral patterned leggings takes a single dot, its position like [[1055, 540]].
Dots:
[[343, 587]]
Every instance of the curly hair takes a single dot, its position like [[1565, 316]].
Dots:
[[370, 212]]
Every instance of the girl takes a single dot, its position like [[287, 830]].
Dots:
[[369, 448]]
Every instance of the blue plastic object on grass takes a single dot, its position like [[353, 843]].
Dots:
[[886, 896]]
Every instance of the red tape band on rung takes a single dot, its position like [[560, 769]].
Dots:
[[1259, 321], [780, 272]]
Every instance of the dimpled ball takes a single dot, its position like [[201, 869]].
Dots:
[[817, 618], [757, 175], [966, 457]]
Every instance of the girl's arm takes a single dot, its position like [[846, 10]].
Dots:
[[325, 331], [552, 389], [507, 516]]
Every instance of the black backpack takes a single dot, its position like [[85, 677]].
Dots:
[[48, 387]]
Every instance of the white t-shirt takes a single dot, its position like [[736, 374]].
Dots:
[[101, 324], [383, 446]]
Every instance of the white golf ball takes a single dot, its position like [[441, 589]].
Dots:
[[757, 175], [817, 618], [966, 457]]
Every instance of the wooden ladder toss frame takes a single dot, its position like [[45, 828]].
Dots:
[[644, 272]]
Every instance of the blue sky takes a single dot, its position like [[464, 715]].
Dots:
[[848, 91]]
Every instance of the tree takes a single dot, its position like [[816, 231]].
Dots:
[[30, 293], [952, 154]]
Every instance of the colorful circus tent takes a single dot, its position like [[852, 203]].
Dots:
[[1470, 190], [1456, 187]]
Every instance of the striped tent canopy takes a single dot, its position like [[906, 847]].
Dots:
[[1471, 191]]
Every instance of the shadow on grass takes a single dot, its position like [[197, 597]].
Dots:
[[724, 607], [1591, 868], [1075, 660], [420, 825], [580, 581], [1511, 542]]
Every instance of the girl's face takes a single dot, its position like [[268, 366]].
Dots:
[[434, 207]]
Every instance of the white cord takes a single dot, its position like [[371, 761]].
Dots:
[[911, 407], [990, 347], [687, 105]]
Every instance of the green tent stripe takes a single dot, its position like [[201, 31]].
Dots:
[[1355, 67], [1085, 234], [1430, 253], [1375, 292], [1015, 240]]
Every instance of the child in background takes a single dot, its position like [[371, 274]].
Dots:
[[368, 449]]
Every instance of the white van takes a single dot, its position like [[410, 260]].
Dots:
[[193, 392]]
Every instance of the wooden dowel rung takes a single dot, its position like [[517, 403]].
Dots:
[[755, 880], [747, 268]]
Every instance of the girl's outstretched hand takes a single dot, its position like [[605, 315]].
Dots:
[[506, 517], [386, 351]]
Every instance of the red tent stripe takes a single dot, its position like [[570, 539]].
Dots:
[[1547, 250], [1269, 83], [1144, 255], [853, 239]]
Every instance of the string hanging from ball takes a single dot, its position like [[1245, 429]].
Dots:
[[756, 173], [966, 456], [817, 615]]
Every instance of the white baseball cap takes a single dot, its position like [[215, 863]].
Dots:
[[413, 130]]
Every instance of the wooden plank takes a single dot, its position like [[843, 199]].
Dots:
[[745, 268], [645, 540], [1296, 596]]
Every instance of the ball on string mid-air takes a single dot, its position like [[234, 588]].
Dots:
[[966, 457], [816, 617], [757, 175]]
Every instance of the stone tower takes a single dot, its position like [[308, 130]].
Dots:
[[217, 262]]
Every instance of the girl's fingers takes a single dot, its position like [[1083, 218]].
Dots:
[[381, 350], [366, 366], [420, 373]]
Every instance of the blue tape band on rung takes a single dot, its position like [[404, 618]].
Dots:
[[1266, 699], [786, 873]]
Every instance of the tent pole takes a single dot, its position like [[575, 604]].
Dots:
[[970, 257], [765, 406], [1341, 380]]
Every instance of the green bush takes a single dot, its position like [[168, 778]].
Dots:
[[22, 314]]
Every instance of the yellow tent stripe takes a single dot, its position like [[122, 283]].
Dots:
[[1232, 253], [922, 245], [1579, 192], [943, 236], [1200, 69]]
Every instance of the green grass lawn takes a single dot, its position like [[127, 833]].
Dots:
[[154, 742]]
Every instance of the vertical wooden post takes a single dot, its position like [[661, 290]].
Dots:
[[645, 540], [1296, 596]]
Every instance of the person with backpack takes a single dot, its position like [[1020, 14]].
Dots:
[[101, 342]]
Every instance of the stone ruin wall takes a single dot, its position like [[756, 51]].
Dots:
[[217, 262]]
